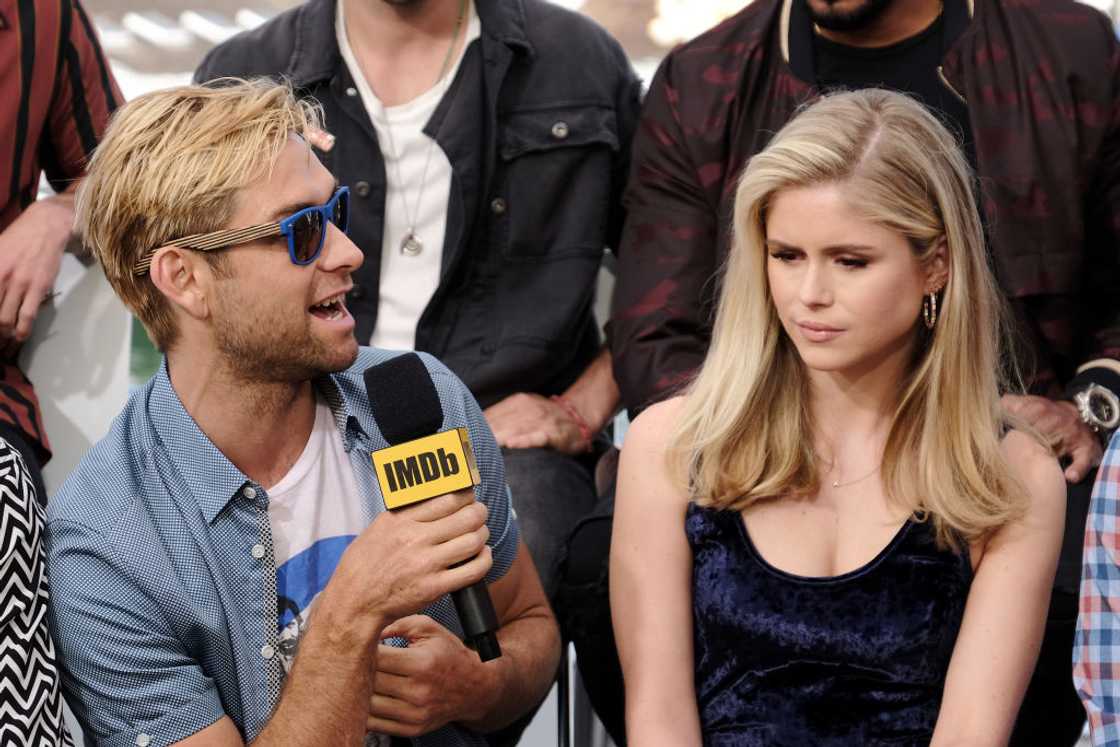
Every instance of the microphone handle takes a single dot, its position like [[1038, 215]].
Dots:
[[479, 621]]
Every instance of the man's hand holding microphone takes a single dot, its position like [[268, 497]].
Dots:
[[407, 559], [431, 540], [402, 562]]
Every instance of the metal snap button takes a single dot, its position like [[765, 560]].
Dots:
[[362, 189], [249, 492], [267, 651], [497, 206], [351, 91], [560, 130], [257, 551], [143, 740]]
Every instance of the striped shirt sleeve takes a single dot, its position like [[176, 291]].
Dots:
[[84, 98]]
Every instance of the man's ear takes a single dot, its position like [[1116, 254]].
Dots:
[[184, 278], [937, 268]]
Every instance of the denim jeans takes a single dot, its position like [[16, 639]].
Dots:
[[584, 609], [550, 492]]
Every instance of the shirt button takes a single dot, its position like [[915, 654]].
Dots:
[[362, 189], [497, 206], [560, 130], [267, 651], [351, 91], [143, 740], [257, 551], [249, 492]]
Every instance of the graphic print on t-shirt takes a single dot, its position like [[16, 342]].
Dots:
[[298, 583], [315, 512]]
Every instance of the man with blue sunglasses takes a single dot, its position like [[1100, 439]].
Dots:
[[223, 567], [487, 143], [304, 230]]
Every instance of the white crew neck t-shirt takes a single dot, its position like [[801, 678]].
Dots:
[[408, 282], [315, 512]]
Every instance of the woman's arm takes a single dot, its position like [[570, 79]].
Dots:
[[651, 589], [1003, 622]]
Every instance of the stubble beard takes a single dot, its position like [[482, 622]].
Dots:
[[852, 20], [261, 350]]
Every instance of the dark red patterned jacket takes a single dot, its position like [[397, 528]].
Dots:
[[1041, 79], [58, 94]]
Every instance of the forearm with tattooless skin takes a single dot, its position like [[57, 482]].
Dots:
[[530, 641], [523, 673], [594, 395], [326, 695]]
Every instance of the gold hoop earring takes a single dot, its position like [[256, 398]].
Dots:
[[929, 310]]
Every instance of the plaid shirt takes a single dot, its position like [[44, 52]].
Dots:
[[159, 549], [1096, 653]]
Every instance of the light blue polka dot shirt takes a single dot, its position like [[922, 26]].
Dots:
[[163, 586]]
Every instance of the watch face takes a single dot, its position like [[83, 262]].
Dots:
[[1101, 408], [1100, 405]]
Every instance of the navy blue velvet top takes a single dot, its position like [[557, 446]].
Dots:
[[855, 659]]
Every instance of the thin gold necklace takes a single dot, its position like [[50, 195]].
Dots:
[[411, 244], [838, 484]]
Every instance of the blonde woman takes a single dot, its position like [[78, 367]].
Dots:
[[837, 536]]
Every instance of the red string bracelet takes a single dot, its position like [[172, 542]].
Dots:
[[573, 414]]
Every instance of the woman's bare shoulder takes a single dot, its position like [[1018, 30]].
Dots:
[[1029, 459], [654, 424], [646, 450], [1037, 470]]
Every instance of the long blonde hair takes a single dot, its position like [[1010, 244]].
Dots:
[[746, 430]]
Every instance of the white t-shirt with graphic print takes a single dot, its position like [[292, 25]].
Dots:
[[315, 512]]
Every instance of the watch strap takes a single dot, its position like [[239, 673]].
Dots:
[[1105, 376]]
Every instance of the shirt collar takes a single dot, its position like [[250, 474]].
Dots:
[[316, 56], [344, 410], [213, 478]]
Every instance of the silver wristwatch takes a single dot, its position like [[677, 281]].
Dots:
[[1099, 407]]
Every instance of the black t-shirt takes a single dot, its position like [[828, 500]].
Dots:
[[910, 66]]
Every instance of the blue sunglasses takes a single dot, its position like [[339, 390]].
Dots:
[[304, 229]]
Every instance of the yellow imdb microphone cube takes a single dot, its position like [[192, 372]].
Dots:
[[425, 468]]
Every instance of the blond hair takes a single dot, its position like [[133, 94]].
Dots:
[[171, 165], [942, 460]]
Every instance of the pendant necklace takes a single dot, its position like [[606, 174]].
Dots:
[[411, 245], [838, 484]]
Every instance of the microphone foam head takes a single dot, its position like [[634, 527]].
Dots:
[[403, 398]]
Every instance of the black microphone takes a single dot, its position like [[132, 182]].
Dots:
[[424, 462]]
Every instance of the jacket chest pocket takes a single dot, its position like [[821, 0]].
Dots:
[[552, 198]]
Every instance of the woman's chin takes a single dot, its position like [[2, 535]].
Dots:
[[826, 361]]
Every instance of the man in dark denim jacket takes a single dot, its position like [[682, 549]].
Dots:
[[536, 124]]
